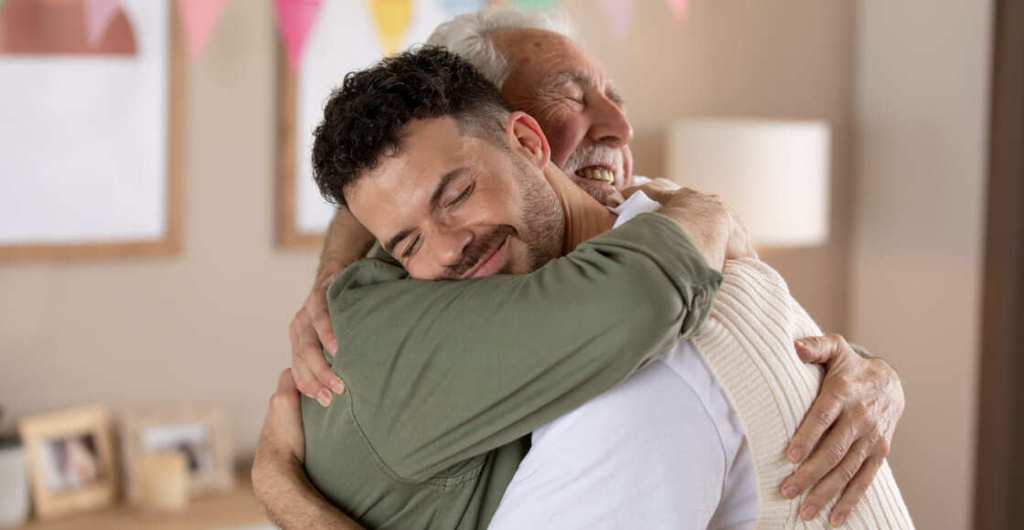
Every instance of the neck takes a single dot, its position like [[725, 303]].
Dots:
[[585, 218]]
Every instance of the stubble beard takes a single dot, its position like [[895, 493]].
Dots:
[[542, 217]]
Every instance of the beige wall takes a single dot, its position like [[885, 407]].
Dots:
[[922, 105], [210, 325], [746, 59]]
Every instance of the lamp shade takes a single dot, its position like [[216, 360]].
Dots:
[[774, 174]]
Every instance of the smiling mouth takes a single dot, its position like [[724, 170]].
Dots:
[[484, 266], [597, 174]]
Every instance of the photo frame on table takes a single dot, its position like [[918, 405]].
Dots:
[[71, 460], [97, 172], [199, 433], [346, 36]]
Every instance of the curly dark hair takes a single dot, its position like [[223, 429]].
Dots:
[[364, 118]]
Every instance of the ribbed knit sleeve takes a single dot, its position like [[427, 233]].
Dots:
[[748, 343]]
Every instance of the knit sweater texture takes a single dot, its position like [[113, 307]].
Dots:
[[748, 343]]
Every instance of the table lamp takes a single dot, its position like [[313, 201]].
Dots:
[[774, 174]]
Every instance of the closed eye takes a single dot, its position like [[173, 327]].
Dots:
[[461, 197], [411, 247]]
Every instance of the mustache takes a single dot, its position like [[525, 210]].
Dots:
[[591, 153], [478, 249]]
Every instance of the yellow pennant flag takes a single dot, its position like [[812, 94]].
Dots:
[[392, 18]]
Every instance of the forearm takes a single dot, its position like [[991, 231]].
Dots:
[[291, 501], [345, 242], [473, 365]]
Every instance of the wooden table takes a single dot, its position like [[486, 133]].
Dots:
[[227, 511]]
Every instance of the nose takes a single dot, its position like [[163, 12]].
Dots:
[[449, 245], [608, 123]]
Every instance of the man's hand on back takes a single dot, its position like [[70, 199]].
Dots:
[[847, 433], [311, 327], [346, 242], [278, 476], [712, 228]]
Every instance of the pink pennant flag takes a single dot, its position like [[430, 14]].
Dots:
[[98, 14], [678, 8], [620, 14], [198, 17], [295, 20]]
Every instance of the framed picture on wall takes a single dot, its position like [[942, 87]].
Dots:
[[347, 36], [71, 460], [92, 126], [200, 434]]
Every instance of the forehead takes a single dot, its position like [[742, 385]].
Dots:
[[427, 149], [536, 55]]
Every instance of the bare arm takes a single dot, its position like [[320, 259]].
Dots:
[[278, 476]]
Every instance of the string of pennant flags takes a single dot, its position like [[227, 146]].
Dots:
[[296, 18]]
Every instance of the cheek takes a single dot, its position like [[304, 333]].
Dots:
[[564, 133]]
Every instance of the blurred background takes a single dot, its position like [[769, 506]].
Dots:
[[915, 253]]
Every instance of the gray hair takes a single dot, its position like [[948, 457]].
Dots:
[[470, 36]]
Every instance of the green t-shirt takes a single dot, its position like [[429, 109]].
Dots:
[[445, 379]]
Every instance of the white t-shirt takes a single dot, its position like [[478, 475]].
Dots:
[[662, 450]]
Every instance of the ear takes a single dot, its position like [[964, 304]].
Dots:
[[524, 133]]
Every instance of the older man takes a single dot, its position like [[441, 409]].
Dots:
[[544, 73]]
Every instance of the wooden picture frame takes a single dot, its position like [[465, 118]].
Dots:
[[200, 433], [288, 234], [71, 460], [171, 240], [345, 38]]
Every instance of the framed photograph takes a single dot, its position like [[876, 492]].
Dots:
[[92, 127], [347, 36], [71, 460], [198, 433]]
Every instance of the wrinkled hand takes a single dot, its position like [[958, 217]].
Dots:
[[311, 327], [282, 442], [848, 431], [711, 226]]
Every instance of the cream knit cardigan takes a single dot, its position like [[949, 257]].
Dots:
[[748, 343]]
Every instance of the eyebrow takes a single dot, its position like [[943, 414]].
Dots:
[[435, 203], [583, 80], [569, 77]]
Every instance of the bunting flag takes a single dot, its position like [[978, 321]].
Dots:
[[98, 14], [455, 8], [198, 18], [535, 5], [295, 20], [392, 18], [678, 8], [620, 15]]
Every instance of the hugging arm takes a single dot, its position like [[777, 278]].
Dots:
[[566, 318], [473, 365], [279, 479], [346, 242]]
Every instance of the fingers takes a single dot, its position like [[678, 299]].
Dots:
[[818, 350], [308, 384], [823, 413], [836, 480], [826, 457], [313, 377], [316, 309], [285, 382], [855, 490]]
